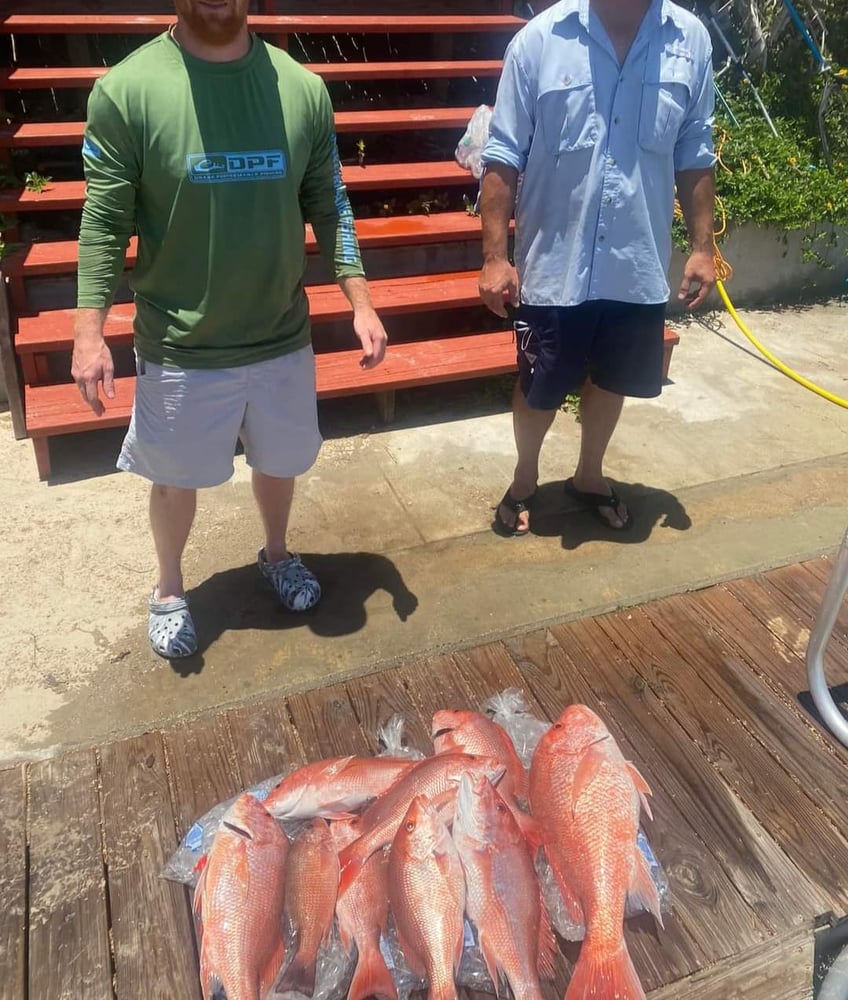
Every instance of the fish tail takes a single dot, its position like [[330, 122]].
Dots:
[[372, 978], [600, 974], [299, 976]]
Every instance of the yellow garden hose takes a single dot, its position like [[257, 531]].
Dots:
[[724, 272], [766, 353]]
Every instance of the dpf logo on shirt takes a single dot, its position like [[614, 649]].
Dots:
[[217, 168]]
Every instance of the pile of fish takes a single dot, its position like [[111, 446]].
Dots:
[[417, 850]]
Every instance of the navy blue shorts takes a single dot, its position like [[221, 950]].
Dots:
[[618, 345]]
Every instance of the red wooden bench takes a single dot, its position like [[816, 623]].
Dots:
[[44, 404]]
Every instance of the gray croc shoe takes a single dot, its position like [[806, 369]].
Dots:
[[297, 588], [170, 628]]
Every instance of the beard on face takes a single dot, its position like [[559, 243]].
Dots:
[[213, 26]]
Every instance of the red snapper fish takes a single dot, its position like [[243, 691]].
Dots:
[[434, 778], [472, 732], [427, 895], [587, 799], [503, 896], [334, 788], [363, 913], [312, 876], [238, 902]]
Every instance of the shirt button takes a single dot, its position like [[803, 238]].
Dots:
[[601, 238], [612, 161], [616, 120], [608, 200]]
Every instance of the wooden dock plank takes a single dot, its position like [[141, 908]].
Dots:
[[676, 672], [778, 969], [377, 697], [709, 919], [773, 691], [202, 768], [786, 619], [776, 664], [806, 588], [152, 932], [69, 955], [326, 723], [264, 741], [13, 883]]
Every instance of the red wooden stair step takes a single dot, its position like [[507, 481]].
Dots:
[[38, 259], [30, 135], [272, 24], [52, 330], [39, 78], [59, 409], [371, 177]]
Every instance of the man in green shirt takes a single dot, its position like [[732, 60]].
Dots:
[[215, 148]]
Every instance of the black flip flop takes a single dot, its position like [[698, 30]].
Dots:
[[517, 507], [596, 502]]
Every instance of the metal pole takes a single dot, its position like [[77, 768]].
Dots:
[[734, 58], [820, 637]]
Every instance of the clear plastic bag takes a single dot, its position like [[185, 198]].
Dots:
[[470, 148]]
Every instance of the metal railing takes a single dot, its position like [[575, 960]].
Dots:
[[820, 636]]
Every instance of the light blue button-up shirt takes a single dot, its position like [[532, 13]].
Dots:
[[598, 144]]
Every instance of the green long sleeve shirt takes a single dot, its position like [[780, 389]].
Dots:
[[217, 167]]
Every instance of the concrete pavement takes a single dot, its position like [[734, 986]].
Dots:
[[734, 469]]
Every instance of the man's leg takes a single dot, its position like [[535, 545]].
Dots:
[[599, 413], [274, 499], [171, 517], [529, 428]]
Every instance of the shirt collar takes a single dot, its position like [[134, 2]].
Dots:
[[666, 10]]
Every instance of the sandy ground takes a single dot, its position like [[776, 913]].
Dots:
[[734, 468]]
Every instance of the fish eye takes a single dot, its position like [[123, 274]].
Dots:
[[557, 725], [410, 826], [501, 808]]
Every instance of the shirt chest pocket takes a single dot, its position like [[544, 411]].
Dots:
[[665, 99], [568, 117]]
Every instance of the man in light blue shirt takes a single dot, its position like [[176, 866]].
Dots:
[[603, 107]]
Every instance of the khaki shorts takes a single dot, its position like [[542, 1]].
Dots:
[[186, 422]]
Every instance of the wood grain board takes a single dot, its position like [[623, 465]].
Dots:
[[703, 691]]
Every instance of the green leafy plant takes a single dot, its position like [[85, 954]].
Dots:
[[36, 182]]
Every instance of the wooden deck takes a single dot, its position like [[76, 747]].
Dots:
[[706, 693]]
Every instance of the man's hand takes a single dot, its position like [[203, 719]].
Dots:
[[699, 279], [369, 329], [92, 364], [498, 284]]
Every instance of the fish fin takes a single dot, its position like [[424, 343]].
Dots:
[[587, 770], [643, 893], [199, 889], [299, 975], [530, 827], [275, 964], [350, 865], [211, 985], [642, 787], [573, 906], [346, 939], [600, 975], [491, 959], [372, 978], [546, 957]]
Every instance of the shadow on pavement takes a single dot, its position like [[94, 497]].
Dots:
[[240, 599]]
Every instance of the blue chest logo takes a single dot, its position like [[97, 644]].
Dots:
[[217, 168]]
